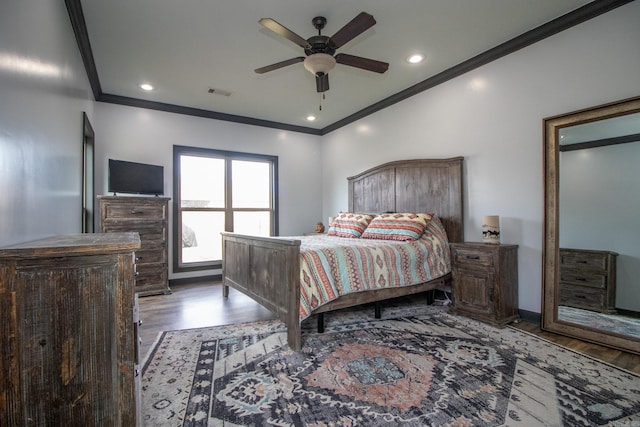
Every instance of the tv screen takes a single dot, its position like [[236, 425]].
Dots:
[[135, 178]]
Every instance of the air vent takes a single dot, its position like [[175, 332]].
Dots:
[[219, 91]]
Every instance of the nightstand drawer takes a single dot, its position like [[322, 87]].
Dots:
[[472, 259]]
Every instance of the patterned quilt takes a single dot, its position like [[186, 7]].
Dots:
[[334, 266]]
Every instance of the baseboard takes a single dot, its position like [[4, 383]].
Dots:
[[193, 280], [630, 313], [530, 316]]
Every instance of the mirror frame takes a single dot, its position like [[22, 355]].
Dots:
[[550, 252], [88, 176]]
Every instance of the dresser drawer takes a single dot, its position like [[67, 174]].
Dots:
[[151, 255], [586, 260], [581, 297], [472, 259], [154, 230], [581, 278], [134, 211], [150, 274]]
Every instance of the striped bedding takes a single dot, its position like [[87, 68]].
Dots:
[[333, 266]]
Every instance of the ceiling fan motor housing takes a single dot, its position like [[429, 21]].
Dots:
[[319, 44]]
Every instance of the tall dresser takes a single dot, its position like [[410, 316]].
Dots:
[[68, 341], [148, 216]]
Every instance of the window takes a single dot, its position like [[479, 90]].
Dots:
[[217, 191]]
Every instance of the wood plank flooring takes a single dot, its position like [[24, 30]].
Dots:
[[202, 305], [194, 306]]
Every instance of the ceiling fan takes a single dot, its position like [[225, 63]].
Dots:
[[320, 49]]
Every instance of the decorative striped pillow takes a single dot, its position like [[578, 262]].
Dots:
[[397, 226], [349, 224]]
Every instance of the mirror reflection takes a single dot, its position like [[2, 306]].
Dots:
[[599, 234], [591, 279]]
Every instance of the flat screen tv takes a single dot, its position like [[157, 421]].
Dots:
[[135, 178]]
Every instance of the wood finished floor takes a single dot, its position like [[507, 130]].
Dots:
[[202, 305]]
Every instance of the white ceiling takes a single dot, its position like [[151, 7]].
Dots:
[[186, 47]]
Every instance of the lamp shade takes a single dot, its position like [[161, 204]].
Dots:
[[319, 63], [491, 229]]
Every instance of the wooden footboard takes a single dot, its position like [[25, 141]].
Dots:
[[267, 269]]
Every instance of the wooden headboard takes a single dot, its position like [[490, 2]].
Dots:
[[423, 185]]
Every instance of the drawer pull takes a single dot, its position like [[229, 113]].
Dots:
[[581, 279], [473, 257], [135, 212]]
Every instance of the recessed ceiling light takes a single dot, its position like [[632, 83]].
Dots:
[[311, 118], [146, 86], [415, 58]]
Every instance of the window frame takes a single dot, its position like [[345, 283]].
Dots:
[[228, 156]]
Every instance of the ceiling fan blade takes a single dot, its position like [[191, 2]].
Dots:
[[363, 63], [322, 82], [277, 65], [355, 27], [283, 31]]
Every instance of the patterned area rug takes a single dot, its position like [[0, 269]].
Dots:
[[418, 366]]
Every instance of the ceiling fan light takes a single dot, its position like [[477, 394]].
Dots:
[[319, 63]]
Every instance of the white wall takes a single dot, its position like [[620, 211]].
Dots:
[[148, 136], [43, 91], [493, 117]]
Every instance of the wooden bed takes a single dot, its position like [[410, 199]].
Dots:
[[267, 269]]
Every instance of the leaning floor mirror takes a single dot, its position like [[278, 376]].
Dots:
[[591, 255]]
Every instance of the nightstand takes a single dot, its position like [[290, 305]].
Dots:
[[485, 282]]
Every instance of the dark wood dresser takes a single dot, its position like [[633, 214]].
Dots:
[[588, 279], [485, 281], [148, 216], [68, 341]]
